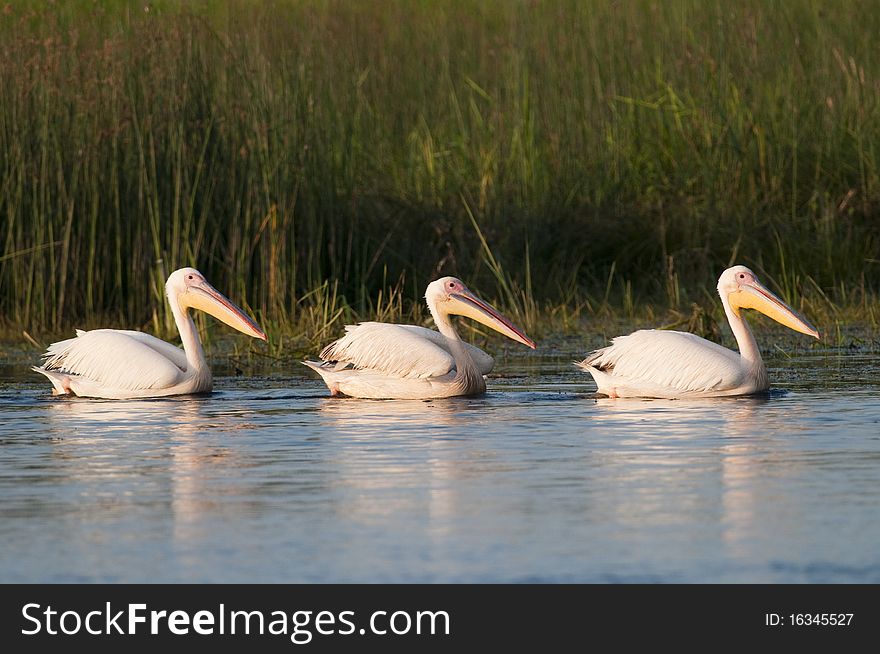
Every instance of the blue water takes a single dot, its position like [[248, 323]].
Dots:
[[270, 480]]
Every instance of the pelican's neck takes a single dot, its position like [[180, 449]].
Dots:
[[466, 373], [748, 347], [189, 335]]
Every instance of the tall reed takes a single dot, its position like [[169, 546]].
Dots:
[[602, 152]]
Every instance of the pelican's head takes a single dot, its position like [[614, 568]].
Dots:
[[743, 291], [191, 290], [449, 295]]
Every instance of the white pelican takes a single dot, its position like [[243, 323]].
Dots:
[[122, 364], [668, 364], [383, 361]]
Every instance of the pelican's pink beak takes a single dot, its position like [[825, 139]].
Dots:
[[208, 299], [754, 295], [465, 303]]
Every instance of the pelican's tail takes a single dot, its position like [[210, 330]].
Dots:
[[60, 381], [326, 370], [584, 365], [604, 381], [587, 366]]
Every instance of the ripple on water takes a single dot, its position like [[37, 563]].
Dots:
[[270, 479]]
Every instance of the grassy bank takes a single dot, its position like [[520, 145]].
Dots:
[[322, 161]]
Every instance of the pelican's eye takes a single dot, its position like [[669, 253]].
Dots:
[[742, 275], [190, 277]]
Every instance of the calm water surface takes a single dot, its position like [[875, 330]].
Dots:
[[270, 480]]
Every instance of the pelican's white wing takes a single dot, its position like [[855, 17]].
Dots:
[[118, 359], [659, 361], [403, 351], [483, 361], [169, 351]]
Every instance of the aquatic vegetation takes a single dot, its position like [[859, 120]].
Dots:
[[326, 159]]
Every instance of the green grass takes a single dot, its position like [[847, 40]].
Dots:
[[322, 161]]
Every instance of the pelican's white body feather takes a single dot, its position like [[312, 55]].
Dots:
[[669, 364], [380, 361], [406, 351], [373, 357], [120, 364]]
